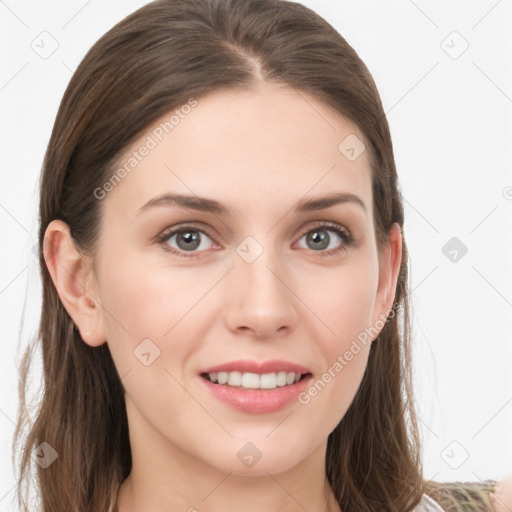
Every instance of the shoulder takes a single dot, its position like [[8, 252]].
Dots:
[[427, 504], [501, 499]]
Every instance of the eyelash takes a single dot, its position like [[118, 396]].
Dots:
[[345, 236]]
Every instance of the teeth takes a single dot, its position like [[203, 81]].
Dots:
[[249, 380], [282, 378]]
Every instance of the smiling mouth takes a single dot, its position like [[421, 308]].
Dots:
[[255, 381]]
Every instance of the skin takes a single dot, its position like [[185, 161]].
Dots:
[[501, 499], [258, 152]]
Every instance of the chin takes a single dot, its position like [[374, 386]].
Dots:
[[259, 459]]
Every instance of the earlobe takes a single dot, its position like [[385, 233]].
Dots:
[[389, 269], [71, 275]]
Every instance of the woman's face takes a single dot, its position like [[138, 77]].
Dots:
[[252, 276]]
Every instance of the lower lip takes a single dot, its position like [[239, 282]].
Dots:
[[257, 400]]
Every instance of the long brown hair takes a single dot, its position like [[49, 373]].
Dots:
[[150, 62]]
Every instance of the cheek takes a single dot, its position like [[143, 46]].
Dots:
[[138, 310], [147, 321], [343, 303], [144, 301], [345, 306]]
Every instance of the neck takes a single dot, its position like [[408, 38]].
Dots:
[[130, 499]]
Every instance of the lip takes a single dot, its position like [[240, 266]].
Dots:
[[247, 365], [257, 400]]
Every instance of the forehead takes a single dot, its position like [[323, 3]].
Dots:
[[248, 149]]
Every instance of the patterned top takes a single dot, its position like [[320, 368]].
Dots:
[[427, 504]]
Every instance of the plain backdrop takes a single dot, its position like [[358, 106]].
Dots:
[[444, 72]]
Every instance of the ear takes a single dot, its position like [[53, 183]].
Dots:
[[390, 260], [74, 280]]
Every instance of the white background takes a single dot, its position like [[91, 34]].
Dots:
[[451, 125]]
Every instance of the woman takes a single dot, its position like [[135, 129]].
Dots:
[[225, 307]]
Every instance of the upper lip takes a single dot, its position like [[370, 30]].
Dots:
[[246, 365]]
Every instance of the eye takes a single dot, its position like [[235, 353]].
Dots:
[[319, 239], [187, 239], [192, 240]]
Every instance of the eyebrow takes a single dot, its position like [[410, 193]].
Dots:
[[204, 204]]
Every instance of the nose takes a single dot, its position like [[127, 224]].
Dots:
[[260, 299]]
